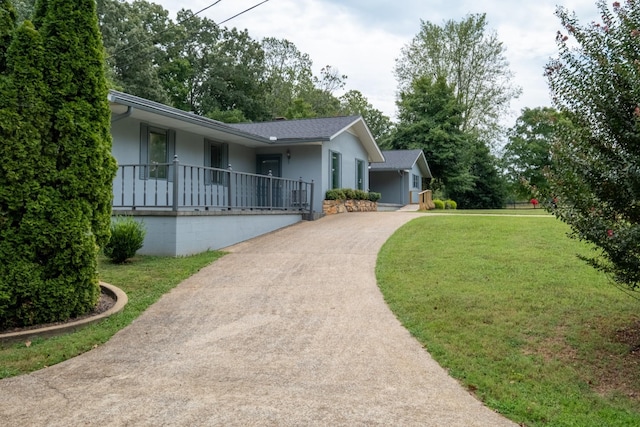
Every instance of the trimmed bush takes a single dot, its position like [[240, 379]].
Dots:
[[349, 193], [335, 194], [450, 204], [127, 236], [439, 203], [374, 197]]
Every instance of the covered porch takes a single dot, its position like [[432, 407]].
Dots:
[[187, 209]]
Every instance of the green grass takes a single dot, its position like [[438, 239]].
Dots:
[[505, 305], [145, 279], [520, 211]]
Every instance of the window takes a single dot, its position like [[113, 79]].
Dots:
[[158, 154], [216, 156], [359, 174], [157, 148], [416, 182], [334, 175]]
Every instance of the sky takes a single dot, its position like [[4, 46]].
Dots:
[[363, 38]]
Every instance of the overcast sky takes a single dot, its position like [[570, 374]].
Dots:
[[363, 38]]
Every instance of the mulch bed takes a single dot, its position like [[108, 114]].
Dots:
[[105, 302]]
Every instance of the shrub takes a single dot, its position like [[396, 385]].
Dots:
[[439, 203], [374, 197], [450, 204], [361, 195], [349, 193], [127, 236], [335, 194]]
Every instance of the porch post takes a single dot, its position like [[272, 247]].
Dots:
[[229, 190], [311, 200], [176, 184], [270, 190]]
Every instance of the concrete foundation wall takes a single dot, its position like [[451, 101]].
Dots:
[[187, 233]]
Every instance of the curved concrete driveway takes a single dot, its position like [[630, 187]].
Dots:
[[289, 329]]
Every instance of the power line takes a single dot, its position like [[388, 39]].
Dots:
[[243, 12], [185, 20]]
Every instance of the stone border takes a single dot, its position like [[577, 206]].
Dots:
[[49, 331], [331, 207]]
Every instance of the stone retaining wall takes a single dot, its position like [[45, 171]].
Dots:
[[330, 207]]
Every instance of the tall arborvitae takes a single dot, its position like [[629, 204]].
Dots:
[[24, 119], [7, 25], [53, 274], [75, 75]]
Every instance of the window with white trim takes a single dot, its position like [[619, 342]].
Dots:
[[335, 160], [416, 182], [360, 174]]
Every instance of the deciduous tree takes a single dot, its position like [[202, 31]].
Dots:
[[429, 119], [472, 59], [527, 154], [354, 102], [595, 81]]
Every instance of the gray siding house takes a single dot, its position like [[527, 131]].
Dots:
[[200, 184], [399, 178]]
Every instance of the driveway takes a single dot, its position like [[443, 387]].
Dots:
[[289, 329]]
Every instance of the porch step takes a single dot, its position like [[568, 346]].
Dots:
[[388, 207]]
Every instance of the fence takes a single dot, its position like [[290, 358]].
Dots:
[[174, 186]]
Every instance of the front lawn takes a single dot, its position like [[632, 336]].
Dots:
[[505, 305], [144, 279]]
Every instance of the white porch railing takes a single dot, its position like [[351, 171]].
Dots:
[[174, 186]]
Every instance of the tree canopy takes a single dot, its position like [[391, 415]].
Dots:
[[472, 59], [527, 154], [430, 118]]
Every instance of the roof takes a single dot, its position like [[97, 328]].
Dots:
[[248, 134], [314, 130], [403, 160], [126, 105]]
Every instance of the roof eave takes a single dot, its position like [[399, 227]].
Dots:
[[366, 138], [174, 113]]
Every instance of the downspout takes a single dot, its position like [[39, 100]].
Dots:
[[123, 115]]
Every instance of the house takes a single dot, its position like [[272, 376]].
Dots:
[[399, 178], [200, 184]]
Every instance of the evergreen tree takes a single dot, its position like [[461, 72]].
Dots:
[[61, 160], [23, 162], [8, 18], [489, 187], [430, 118]]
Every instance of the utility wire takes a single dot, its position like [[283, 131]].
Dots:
[[185, 20], [243, 12]]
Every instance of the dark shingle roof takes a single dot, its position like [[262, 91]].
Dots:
[[301, 129], [397, 159]]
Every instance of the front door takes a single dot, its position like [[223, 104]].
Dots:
[[269, 191]]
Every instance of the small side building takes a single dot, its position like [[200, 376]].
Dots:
[[399, 179]]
